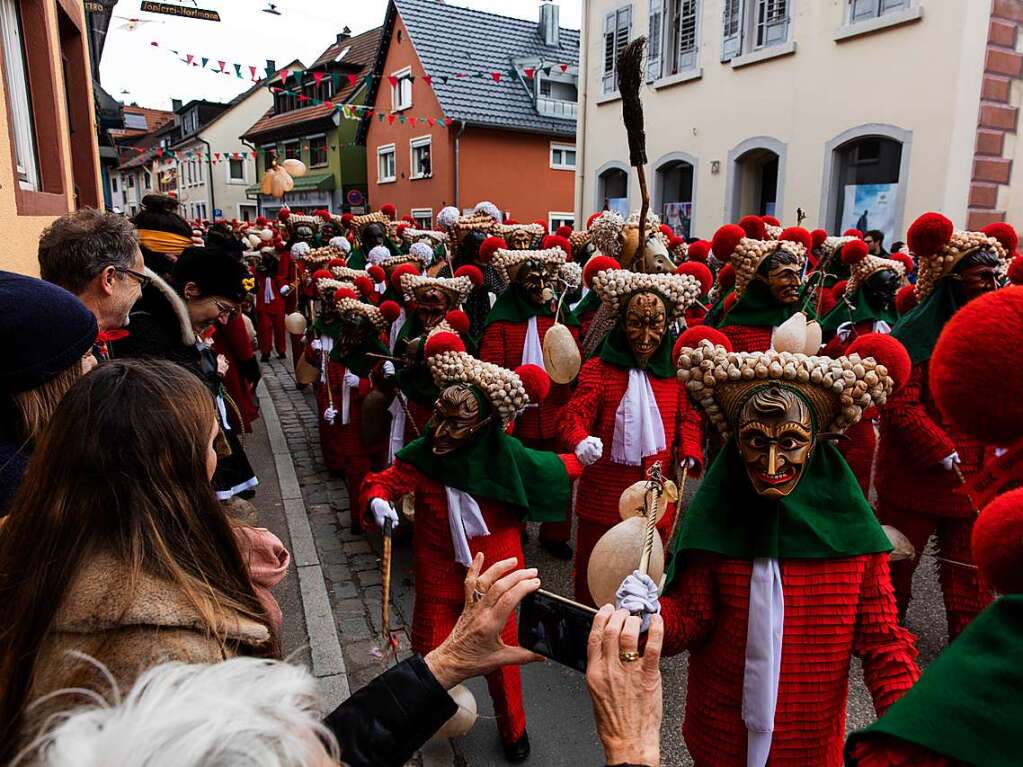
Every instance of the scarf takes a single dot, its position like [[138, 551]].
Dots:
[[616, 351], [758, 308], [514, 306], [168, 243], [639, 430], [856, 310], [919, 328]]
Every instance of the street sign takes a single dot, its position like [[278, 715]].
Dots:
[[218, 213], [180, 10], [355, 197]]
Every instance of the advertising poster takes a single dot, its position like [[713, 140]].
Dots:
[[870, 206], [679, 216], [620, 205]]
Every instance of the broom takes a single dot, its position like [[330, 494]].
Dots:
[[630, 79]]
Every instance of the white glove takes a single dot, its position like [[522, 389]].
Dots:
[[330, 414], [351, 380], [315, 344], [639, 595], [383, 511], [949, 461], [388, 368], [689, 463], [589, 450]]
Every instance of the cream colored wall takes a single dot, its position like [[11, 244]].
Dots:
[[21, 233], [923, 77]]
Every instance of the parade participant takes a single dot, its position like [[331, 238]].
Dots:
[[369, 231], [520, 236], [230, 339], [827, 272], [272, 285], [513, 334], [923, 460], [163, 234], [768, 274], [437, 242], [175, 322], [475, 246], [780, 568], [628, 410], [474, 484], [586, 310]]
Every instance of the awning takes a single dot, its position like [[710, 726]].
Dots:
[[310, 182]]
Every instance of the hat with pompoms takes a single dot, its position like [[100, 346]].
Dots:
[[616, 286], [862, 265], [347, 300], [519, 236], [938, 247], [474, 223], [700, 272], [997, 543], [698, 251], [433, 238], [456, 288], [746, 255], [507, 262]]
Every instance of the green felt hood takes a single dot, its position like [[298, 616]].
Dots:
[[514, 306], [757, 308], [857, 309], [919, 328], [615, 350]]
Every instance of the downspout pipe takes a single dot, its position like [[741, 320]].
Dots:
[[458, 135], [209, 175]]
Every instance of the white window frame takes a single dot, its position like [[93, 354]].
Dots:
[[614, 26], [556, 147], [147, 180], [290, 142], [384, 150], [418, 143], [740, 26], [397, 103], [865, 11], [326, 161], [564, 217], [252, 207], [428, 215], [113, 184], [227, 171], [865, 16], [18, 101], [666, 38]]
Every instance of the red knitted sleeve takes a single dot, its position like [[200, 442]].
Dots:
[[392, 483], [907, 422], [580, 415], [573, 467], [881, 751], [688, 608], [492, 344], [887, 649], [691, 431]]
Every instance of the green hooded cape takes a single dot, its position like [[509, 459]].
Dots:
[[758, 308], [860, 310], [514, 306], [919, 328]]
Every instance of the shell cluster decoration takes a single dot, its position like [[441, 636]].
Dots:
[[606, 234], [410, 235], [394, 262], [506, 261], [502, 388], [579, 239], [572, 274], [519, 236], [359, 223], [831, 245], [932, 268], [321, 255], [839, 389], [348, 275], [368, 310], [862, 269], [475, 223], [616, 286], [750, 254], [773, 232], [327, 288], [456, 287]]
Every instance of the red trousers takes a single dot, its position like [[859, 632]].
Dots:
[[270, 329], [960, 586]]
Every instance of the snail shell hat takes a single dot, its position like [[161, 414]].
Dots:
[[938, 247], [616, 286], [359, 223], [505, 262], [746, 255], [519, 234], [862, 265], [348, 275], [346, 299], [458, 288], [322, 255], [477, 222], [410, 235]]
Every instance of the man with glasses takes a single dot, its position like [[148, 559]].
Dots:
[[96, 256]]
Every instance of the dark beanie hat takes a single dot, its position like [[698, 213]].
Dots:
[[44, 330], [213, 271]]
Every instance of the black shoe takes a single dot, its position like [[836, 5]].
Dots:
[[300, 386], [518, 751], [281, 356], [557, 549], [264, 358]]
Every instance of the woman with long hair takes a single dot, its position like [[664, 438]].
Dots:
[[116, 547]]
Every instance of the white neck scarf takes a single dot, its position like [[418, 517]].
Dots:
[[763, 658], [326, 347], [582, 295], [396, 440], [396, 327], [466, 521], [532, 351], [346, 402], [639, 430], [268, 290]]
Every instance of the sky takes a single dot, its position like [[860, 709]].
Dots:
[[135, 71]]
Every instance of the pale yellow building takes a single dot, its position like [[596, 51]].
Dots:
[[857, 112], [49, 161]]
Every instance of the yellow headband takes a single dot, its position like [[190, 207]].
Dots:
[[164, 242]]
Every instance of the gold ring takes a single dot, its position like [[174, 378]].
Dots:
[[477, 595], [628, 657]]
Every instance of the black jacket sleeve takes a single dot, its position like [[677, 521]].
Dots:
[[388, 720]]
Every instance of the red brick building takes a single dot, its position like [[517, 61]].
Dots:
[[504, 90]]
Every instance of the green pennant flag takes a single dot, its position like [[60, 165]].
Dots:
[[238, 71], [205, 61], [380, 116], [444, 79], [335, 78], [547, 69], [401, 119], [441, 122]]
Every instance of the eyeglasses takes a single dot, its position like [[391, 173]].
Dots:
[[225, 310], [143, 280]]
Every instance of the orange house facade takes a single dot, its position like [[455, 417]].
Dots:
[[447, 131]]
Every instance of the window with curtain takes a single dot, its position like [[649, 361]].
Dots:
[[19, 101]]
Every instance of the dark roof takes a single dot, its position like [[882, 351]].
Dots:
[[362, 54], [449, 39]]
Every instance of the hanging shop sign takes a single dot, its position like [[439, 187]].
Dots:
[[180, 10]]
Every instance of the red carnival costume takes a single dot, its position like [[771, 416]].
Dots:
[[270, 303]]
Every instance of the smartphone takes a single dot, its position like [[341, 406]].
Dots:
[[556, 627]]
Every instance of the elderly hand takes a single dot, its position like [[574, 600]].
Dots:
[[474, 646], [625, 688], [640, 596], [589, 450]]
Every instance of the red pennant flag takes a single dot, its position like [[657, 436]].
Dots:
[[529, 73], [189, 58], [216, 156], [459, 74], [351, 81], [428, 79], [318, 77], [391, 119], [252, 72], [302, 97], [431, 121], [564, 67], [222, 65], [284, 76], [159, 152], [393, 81], [495, 76]]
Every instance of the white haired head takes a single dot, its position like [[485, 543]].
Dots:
[[378, 254], [422, 251], [447, 217], [244, 711], [489, 209], [300, 249], [342, 244]]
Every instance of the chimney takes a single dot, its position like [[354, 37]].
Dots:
[[549, 24], [175, 104], [343, 35]]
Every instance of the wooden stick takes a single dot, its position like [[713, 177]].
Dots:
[[678, 504], [385, 567], [652, 495], [644, 210], [384, 357]]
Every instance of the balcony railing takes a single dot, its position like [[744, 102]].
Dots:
[[548, 107]]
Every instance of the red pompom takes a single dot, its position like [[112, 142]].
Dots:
[[458, 320], [346, 218], [408, 219], [929, 234], [322, 274], [798, 234], [729, 302], [905, 299], [564, 231], [700, 271], [389, 210], [335, 262], [853, 233], [542, 223], [365, 285], [398, 272], [323, 214], [374, 298], [754, 227], [594, 217], [905, 259], [726, 277], [698, 251], [692, 336], [1004, 233], [553, 241], [283, 214], [442, 342], [342, 293], [726, 239], [377, 273], [997, 543], [771, 221], [818, 236], [886, 351], [838, 289], [1016, 270], [854, 252], [490, 246], [536, 382], [597, 264], [511, 221], [260, 221], [675, 242], [400, 229], [390, 310], [667, 231], [978, 352], [472, 272]]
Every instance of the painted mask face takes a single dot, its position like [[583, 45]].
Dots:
[[372, 235], [457, 416], [656, 259], [520, 239], [327, 231], [880, 288], [537, 279], [775, 439], [976, 279], [432, 304], [304, 233], [646, 321], [783, 281], [469, 248], [356, 329]]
